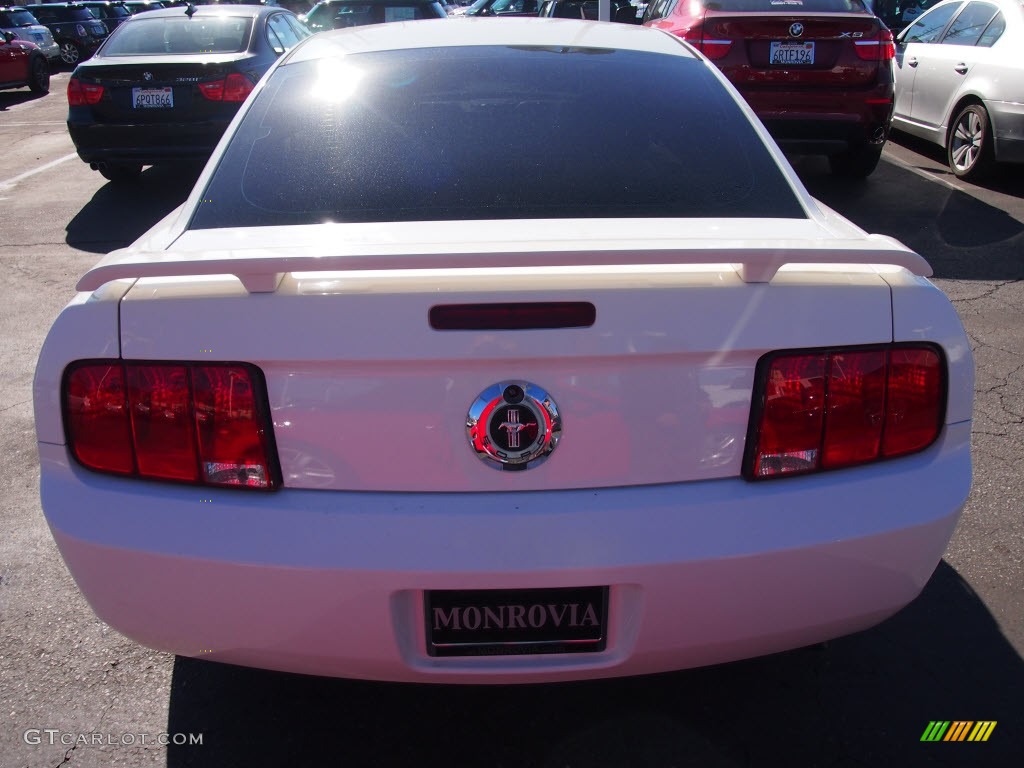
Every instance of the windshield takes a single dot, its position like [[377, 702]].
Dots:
[[11, 19], [359, 140], [206, 34]]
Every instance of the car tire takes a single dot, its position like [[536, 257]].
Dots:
[[39, 75], [969, 146], [70, 52], [856, 163], [121, 173]]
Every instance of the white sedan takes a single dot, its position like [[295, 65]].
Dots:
[[597, 390], [960, 83]]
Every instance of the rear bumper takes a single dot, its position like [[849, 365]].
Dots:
[[1008, 129], [332, 583], [824, 123], [145, 143]]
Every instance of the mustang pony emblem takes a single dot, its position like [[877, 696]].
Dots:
[[513, 425]]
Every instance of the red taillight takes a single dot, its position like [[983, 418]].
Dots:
[[83, 94], [99, 432], [915, 385], [234, 87], [824, 410], [882, 48], [163, 425], [189, 422], [712, 48]]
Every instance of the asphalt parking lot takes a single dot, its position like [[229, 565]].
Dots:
[[73, 692]]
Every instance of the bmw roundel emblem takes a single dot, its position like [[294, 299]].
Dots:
[[795, 30], [147, 76], [513, 425]]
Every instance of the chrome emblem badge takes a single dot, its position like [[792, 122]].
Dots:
[[513, 425], [795, 30], [147, 76]]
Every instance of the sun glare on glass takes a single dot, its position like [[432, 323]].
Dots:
[[336, 81]]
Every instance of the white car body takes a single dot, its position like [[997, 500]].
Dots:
[[963, 61], [382, 496]]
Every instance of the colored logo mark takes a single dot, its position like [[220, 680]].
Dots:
[[958, 730]]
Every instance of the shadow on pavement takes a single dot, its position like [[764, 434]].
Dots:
[[10, 99], [961, 236], [863, 700], [119, 213]]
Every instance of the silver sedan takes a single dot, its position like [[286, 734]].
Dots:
[[960, 82]]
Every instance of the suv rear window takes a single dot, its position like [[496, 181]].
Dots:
[[406, 136], [803, 6]]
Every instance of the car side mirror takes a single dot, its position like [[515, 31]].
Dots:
[[8, 37]]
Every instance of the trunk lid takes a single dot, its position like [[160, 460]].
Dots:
[[182, 77], [365, 395]]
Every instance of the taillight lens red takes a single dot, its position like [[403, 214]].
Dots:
[[83, 94], [837, 408], [713, 48], [235, 87], [98, 425], [189, 422], [881, 48]]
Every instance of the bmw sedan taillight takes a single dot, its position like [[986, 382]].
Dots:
[[842, 407], [190, 422], [83, 94], [234, 87]]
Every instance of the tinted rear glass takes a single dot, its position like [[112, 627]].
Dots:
[[808, 6], [357, 14], [70, 14], [9, 19], [533, 133], [147, 36]]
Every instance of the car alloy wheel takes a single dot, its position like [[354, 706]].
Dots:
[[969, 148], [39, 81], [70, 53]]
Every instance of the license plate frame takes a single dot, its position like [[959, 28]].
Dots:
[[786, 53], [161, 98], [516, 622]]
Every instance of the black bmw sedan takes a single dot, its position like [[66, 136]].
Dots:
[[166, 83]]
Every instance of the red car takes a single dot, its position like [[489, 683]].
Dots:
[[22, 63], [817, 72]]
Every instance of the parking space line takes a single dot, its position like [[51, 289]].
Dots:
[[45, 167], [925, 174]]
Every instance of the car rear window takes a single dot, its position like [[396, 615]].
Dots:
[[411, 135], [159, 36], [10, 19], [357, 14], [807, 6]]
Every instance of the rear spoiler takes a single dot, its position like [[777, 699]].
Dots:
[[261, 270]]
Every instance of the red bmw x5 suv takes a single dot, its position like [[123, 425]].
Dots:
[[817, 72]]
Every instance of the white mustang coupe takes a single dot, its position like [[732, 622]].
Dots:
[[594, 389]]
